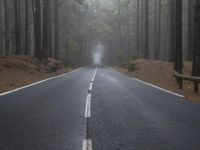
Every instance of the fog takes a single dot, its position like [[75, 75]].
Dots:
[[98, 53]]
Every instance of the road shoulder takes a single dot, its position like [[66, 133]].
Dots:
[[160, 74]]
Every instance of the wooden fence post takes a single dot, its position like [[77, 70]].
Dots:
[[180, 83], [196, 87]]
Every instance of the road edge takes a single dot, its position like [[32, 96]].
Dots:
[[149, 84], [39, 82]]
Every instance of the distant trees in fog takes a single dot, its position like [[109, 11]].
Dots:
[[44, 28], [157, 29], [68, 30]]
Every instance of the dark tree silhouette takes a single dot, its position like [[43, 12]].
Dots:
[[37, 29], [138, 28], [56, 22], [17, 27], [196, 56], [146, 43], [26, 35], [6, 33], [45, 35], [190, 29], [178, 62]]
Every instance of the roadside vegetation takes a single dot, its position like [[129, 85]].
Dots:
[[17, 71]]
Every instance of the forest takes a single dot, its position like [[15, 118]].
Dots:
[[68, 30], [100, 74]]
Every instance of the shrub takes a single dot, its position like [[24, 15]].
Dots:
[[130, 65]]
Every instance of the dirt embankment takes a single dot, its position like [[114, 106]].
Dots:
[[17, 71], [161, 74]]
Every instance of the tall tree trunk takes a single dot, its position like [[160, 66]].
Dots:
[[196, 53], [2, 29], [6, 24], [37, 30], [138, 28], [146, 49], [172, 30], [17, 27], [178, 62], [190, 29], [142, 28], [56, 21], [50, 43], [128, 29], [119, 25], [159, 29], [45, 37], [168, 32], [26, 36], [156, 31]]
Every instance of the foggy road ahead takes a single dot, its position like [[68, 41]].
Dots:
[[99, 109]]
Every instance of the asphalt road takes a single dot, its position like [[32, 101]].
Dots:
[[97, 109]]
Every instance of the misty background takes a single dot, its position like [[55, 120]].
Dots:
[[71, 30]]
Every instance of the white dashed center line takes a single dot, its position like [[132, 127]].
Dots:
[[87, 144], [88, 106], [91, 85], [94, 75]]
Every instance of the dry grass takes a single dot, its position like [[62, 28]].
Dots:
[[17, 71], [161, 74]]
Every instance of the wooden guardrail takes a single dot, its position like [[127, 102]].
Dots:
[[180, 78]]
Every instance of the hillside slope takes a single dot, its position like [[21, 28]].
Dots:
[[17, 71]]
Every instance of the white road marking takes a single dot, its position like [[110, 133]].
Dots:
[[12, 91], [159, 88], [88, 106], [94, 75], [91, 85], [92, 80], [96, 70], [87, 144]]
